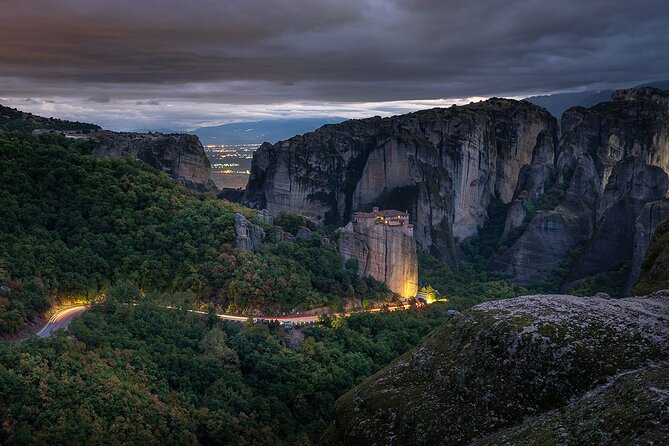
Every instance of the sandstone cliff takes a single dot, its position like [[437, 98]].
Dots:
[[651, 216], [612, 159], [388, 254], [499, 364], [180, 156], [443, 165]]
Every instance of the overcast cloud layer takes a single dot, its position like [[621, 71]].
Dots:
[[184, 63]]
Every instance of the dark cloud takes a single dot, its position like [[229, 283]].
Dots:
[[275, 51]]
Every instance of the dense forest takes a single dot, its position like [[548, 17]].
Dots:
[[146, 375], [74, 225]]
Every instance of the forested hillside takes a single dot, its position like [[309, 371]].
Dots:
[[74, 225], [145, 375], [12, 119], [132, 371]]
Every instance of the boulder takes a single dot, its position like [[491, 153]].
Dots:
[[303, 233], [498, 366]]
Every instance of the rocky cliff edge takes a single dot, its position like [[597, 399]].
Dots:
[[179, 155]]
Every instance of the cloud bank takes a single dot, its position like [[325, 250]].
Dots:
[[180, 63]]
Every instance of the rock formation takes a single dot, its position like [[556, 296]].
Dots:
[[572, 203], [248, 236], [443, 165], [614, 159], [383, 251], [180, 156], [621, 412], [503, 367]]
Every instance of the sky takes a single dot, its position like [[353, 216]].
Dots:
[[181, 64]]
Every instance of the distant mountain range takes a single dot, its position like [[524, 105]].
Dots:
[[260, 131], [557, 103]]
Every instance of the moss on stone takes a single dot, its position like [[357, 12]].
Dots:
[[499, 363], [631, 409]]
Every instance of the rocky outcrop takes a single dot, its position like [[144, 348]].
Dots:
[[293, 338], [180, 156], [614, 157], [284, 236], [501, 363], [443, 165], [303, 233], [388, 254], [248, 236]]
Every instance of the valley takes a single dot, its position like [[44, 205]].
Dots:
[[334, 223], [230, 164], [270, 320]]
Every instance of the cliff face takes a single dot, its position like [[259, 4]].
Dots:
[[388, 254], [180, 156], [443, 165], [654, 271], [446, 165], [612, 159], [509, 363]]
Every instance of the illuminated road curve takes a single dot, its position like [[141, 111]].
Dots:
[[294, 319], [61, 319]]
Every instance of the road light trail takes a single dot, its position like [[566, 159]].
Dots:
[[61, 319]]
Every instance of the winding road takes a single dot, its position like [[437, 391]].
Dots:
[[62, 318]]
